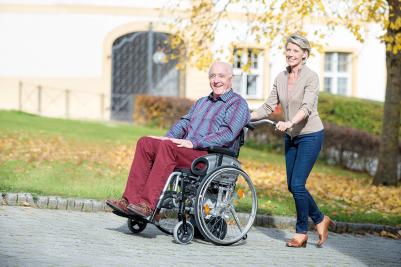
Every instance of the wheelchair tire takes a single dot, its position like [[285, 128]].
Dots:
[[136, 226], [182, 237], [225, 205]]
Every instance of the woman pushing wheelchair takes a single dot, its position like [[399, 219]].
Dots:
[[297, 89]]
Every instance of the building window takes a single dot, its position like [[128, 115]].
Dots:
[[337, 73], [248, 72]]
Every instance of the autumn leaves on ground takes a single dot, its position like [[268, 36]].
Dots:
[[43, 161]]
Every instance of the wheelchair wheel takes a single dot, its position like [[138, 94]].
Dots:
[[168, 220], [225, 205], [217, 226], [136, 226], [182, 237]]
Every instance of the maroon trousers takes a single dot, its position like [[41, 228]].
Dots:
[[154, 161]]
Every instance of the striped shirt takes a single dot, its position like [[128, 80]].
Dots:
[[212, 122]]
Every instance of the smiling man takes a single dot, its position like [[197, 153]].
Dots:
[[215, 120]]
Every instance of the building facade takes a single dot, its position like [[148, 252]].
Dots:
[[87, 59]]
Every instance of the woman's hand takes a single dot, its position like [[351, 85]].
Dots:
[[254, 116], [284, 125]]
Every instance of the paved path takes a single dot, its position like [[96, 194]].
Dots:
[[41, 237]]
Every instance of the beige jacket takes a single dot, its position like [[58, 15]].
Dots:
[[304, 96]]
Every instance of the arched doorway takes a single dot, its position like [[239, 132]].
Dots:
[[140, 66]]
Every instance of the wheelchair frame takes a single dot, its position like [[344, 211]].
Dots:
[[190, 185]]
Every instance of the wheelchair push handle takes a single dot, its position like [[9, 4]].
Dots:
[[253, 124]]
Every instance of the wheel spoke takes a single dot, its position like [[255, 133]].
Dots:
[[234, 213]]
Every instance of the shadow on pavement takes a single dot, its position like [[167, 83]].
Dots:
[[149, 232], [274, 233], [367, 249]]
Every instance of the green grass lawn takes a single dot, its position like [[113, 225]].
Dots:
[[82, 167], [88, 131]]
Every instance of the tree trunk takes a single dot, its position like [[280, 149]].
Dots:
[[389, 147]]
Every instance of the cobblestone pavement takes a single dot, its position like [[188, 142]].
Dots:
[[42, 237]]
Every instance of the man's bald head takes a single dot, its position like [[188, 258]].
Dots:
[[222, 65]]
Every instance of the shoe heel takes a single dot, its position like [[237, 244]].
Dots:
[[304, 244]]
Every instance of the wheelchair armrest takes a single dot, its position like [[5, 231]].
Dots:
[[222, 150]]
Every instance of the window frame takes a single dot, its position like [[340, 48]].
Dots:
[[334, 74], [259, 72]]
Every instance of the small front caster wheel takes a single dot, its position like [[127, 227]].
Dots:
[[180, 235], [136, 226]]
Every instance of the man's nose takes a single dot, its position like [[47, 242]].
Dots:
[[217, 81]]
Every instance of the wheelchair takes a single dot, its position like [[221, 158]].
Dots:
[[215, 199]]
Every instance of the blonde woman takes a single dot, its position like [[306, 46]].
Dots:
[[297, 89]]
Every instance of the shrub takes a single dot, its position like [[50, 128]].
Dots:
[[159, 111], [357, 113], [351, 148]]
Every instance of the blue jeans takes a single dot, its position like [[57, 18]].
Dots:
[[301, 153]]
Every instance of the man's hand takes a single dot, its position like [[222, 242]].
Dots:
[[182, 142]]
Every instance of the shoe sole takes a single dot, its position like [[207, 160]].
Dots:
[[156, 219], [117, 209], [136, 212], [121, 214]]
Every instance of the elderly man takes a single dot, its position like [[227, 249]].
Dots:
[[214, 120]]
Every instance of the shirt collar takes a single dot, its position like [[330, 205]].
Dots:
[[224, 97]]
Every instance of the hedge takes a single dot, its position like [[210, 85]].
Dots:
[[159, 111], [362, 114]]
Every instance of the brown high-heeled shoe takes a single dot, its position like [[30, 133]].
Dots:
[[293, 243], [324, 231]]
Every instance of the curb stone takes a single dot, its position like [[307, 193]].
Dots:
[[90, 205], [52, 202]]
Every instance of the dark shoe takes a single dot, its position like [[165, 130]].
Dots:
[[323, 230], [294, 243], [142, 210], [119, 205]]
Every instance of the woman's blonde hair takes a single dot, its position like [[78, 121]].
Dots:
[[300, 41]]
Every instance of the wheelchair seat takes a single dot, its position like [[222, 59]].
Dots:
[[223, 150]]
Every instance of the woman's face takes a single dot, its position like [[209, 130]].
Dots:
[[294, 55]]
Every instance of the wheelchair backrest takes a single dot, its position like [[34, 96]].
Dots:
[[241, 138]]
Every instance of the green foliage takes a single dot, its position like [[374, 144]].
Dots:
[[352, 112]]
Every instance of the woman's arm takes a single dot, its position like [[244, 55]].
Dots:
[[268, 107]]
